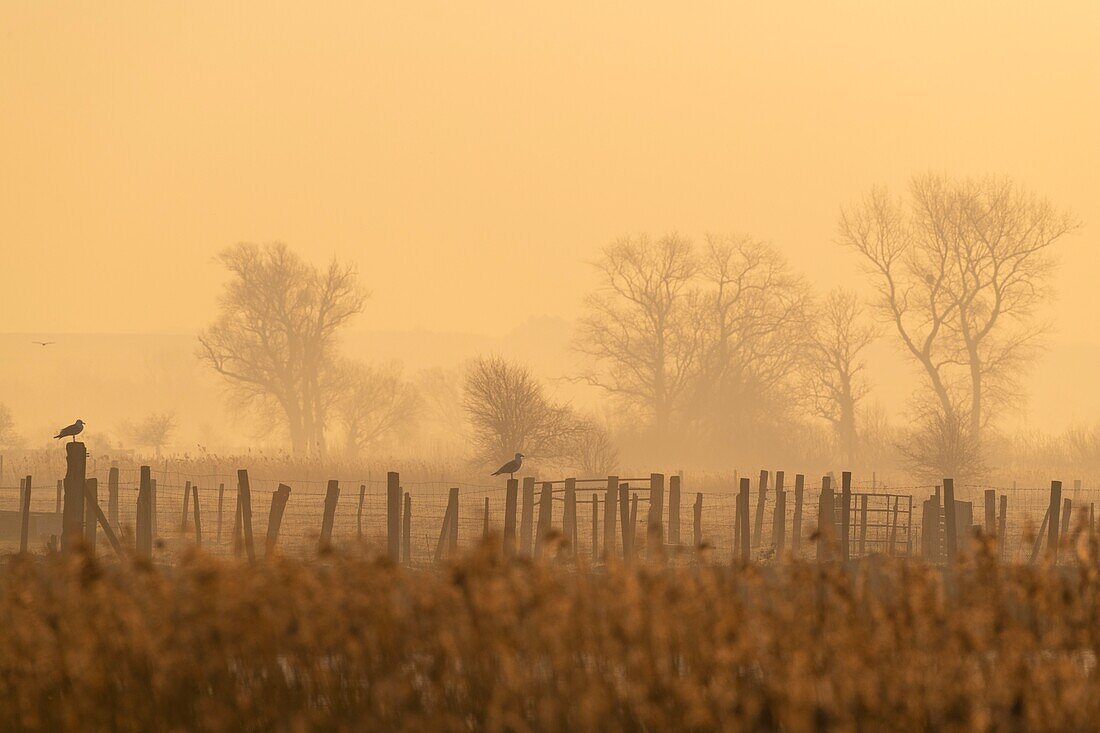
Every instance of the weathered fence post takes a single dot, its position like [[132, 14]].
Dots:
[[448, 534], [744, 535], [697, 521], [846, 515], [332, 496], [359, 512], [1055, 516], [761, 501], [825, 520], [406, 534], [275, 518], [569, 515], [91, 496], [245, 490], [1067, 509], [510, 496], [72, 518], [393, 516], [186, 499], [112, 495], [1039, 537], [444, 534], [609, 500], [796, 529], [198, 521], [654, 544], [144, 529], [94, 514], [990, 512], [25, 519], [674, 509], [546, 499], [950, 526], [779, 517], [221, 500], [527, 516], [624, 518]]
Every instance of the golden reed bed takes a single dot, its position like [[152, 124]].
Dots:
[[355, 643]]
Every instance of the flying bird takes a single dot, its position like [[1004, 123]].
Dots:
[[71, 432], [510, 467], [43, 343]]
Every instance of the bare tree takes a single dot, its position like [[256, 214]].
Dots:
[[8, 437], [374, 404], [593, 451], [155, 431], [509, 412], [274, 339], [833, 376], [960, 269], [642, 331]]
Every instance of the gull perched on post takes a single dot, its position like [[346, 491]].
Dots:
[[510, 467], [71, 432]]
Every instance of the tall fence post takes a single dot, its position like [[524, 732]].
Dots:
[[332, 496], [245, 490], [546, 499], [510, 497], [761, 502], [950, 520], [144, 529], [25, 519], [527, 516], [846, 514], [610, 499], [393, 516], [275, 519], [796, 528], [112, 495], [654, 544], [72, 518], [674, 509]]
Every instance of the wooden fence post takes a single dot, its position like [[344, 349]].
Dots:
[[238, 532], [25, 519], [779, 517], [1039, 537], [1055, 515], [654, 543], [393, 516], [633, 523], [990, 512], [72, 519], [406, 534], [221, 500], [846, 515], [332, 496], [186, 499], [359, 512], [569, 515], [743, 520], [527, 516], [94, 514], [510, 496], [826, 517], [198, 520], [761, 501], [112, 495], [275, 519], [609, 501], [245, 490], [624, 519], [950, 527], [796, 529], [444, 534], [1067, 509], [595, 527], [674, 509], [91, 496], [144, 529], [546, 499], [697, 521], [448, 534]]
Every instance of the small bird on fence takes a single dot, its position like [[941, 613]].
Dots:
[[71, 432], [510, 467]]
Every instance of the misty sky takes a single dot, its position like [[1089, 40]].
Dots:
[[471, 157]]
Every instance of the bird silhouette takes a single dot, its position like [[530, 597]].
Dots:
[[43, 343], [71, 432], [510, 467]]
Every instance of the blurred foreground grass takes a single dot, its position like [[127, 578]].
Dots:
[[355, 643]]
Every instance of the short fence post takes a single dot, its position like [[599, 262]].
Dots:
[[245, 490], [406, 533], [198, 521], [674, 509], [609, 501], [546, 499], [72, 521], [144, 529], [112, 495], [697, 521], [761, 501], [825, 520], [510, 496], [796, 529], [846, 514], [1055, 516], [743, 523], [779, 517], [654, 544], [332, 496], [393, 516], [527, 516], [950, 527], [275, 518], [25, 520]]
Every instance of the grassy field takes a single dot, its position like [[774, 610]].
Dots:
[[351, 642]]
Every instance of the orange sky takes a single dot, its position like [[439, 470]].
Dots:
[[471, 157]]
